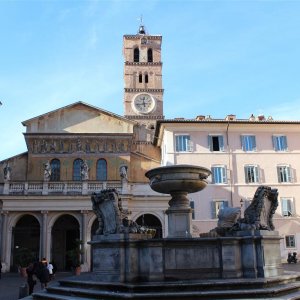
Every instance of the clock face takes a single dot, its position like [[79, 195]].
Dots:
[[143, 103]]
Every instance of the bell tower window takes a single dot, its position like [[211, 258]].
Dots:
[[140, 78], [150, 55], [136, 55], [146, 78]]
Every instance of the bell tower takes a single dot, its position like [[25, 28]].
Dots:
[[143, 92]]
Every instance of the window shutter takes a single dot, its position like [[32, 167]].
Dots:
[[274, 143], [213, 209], [279, 174], [246, 174], [224, 177], [253, 142], [190, 145], [284, 143], [210, 144], [289, 173], [221, 143], [256, 173], [243, 142]]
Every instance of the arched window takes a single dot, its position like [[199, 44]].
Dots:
[[55, 170], [150, 55], [77, 169], [146, 78], [140, 78], [136, 55], [101, 170]]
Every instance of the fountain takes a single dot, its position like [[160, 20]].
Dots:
[[239, 259], [178, 181]]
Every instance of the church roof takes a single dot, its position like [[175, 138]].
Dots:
[[100, 110]]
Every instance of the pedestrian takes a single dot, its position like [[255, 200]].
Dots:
[[44, 275], [30, 277], [0, 267], [50, 269]]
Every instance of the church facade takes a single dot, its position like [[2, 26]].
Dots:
[[79, 149]]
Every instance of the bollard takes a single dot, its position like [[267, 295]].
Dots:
[[23, 291]]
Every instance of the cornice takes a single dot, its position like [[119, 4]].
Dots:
[[145, 117], [139, 36], [134, 90], [131, 63]]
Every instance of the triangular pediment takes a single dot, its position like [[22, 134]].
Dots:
[[79, 117]]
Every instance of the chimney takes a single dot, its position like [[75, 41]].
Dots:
[[261, 118], [230, 118], [200, 118]]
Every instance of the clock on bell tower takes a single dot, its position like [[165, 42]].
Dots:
[[143, 92]]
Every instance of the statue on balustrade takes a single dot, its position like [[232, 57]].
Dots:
[[47, 171], [84, 170], [7, 171]]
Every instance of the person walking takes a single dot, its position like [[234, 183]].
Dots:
[[30, 280], [43, 274], [0, 267], [50, 269]]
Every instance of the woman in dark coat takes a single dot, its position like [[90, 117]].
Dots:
[[44, 276], [30, 280]]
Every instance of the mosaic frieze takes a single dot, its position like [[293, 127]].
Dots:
[[79, 145]]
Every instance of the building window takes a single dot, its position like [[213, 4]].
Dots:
[[140, 78], [251, 174], [192, 204], [280, 142], [136, 55], [216, 142], [290, 241], [55, 170], [101, 170], [150, 55], [146, 78], [216, 206], [219, 174], [77, 176], [183, 143], [287, 207], [284, 174], [248, 142]]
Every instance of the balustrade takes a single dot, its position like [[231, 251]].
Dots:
[[63, 188]]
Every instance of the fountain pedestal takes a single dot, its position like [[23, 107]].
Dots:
[[178, 181]]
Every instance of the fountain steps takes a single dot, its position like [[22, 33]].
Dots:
[[284, 288]]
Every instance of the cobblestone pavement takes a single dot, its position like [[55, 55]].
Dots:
[[10, 283]]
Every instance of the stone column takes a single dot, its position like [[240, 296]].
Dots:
[[83, 237], [5, 247], [44, 240]]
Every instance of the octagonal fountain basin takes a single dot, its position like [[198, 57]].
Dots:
[[168, 179]]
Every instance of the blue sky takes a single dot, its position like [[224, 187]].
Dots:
[[219, 57]]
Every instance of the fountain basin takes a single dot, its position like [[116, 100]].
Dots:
[[169, 179]]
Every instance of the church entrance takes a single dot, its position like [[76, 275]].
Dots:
[[65, 232], [26, 241], [151, 221]]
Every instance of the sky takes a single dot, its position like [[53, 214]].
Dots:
[[219, 57]]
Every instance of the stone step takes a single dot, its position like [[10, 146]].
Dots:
[[285, 291]]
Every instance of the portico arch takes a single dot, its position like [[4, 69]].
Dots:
[[151, 221], [65, 231], [26, 234]]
